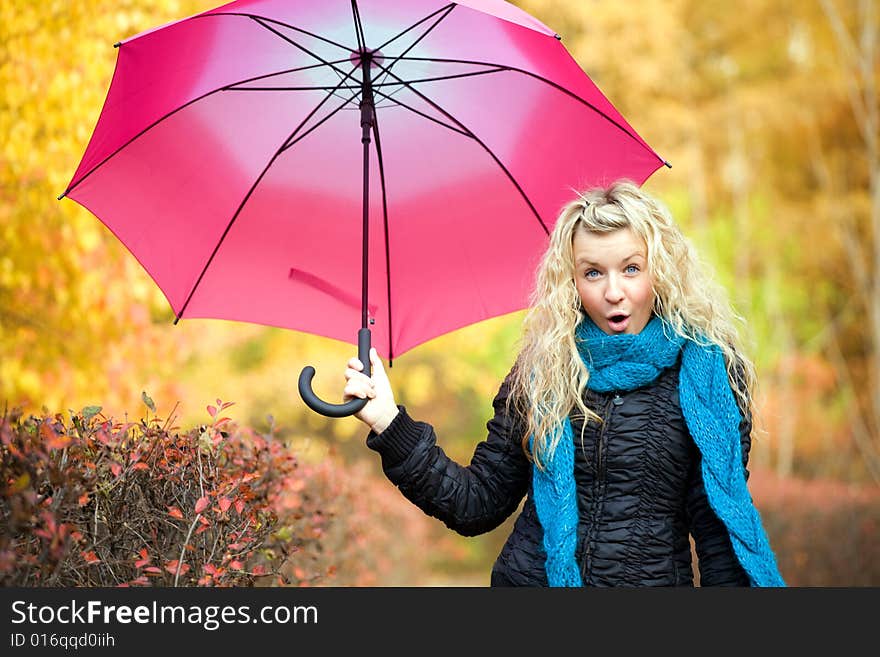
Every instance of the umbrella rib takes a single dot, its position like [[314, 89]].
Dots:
[[387, 241], [423, 115], [380, 84], [259, 20], [276, 22], [247, 197], [325, 87], [358, 27], [514, 69], [290, 143], [396, 101], [162, 118], [443, 77], [481, 143], [433, 79], [448, 9]]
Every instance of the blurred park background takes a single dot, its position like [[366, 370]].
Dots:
[[768, 112]]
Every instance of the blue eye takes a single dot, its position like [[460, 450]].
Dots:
[[632, 269], [591, 273]]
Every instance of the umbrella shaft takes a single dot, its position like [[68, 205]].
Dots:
[[366, 230], [366, 125]]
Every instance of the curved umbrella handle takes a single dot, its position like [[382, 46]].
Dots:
[[336, 410]]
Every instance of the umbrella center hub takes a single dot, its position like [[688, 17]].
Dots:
[[376, 57]]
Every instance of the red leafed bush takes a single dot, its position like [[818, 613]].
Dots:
[[349, 527], [824, 533], [92, 502]]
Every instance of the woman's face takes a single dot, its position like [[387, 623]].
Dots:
[[611, 275]]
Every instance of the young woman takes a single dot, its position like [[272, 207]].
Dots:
[[625, 421]]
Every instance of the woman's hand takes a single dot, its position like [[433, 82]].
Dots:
[[381, 409]]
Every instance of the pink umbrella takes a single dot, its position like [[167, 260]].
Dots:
[[224, 160]]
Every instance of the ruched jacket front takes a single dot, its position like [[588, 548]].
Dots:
[[639, 484]]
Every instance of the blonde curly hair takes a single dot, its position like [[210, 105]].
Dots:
[[550, 377]]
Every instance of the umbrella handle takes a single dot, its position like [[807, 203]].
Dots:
[[336, 410]]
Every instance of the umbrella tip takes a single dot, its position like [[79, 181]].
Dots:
[[558, 36], [62, 195], [668, 165], [117, 44]]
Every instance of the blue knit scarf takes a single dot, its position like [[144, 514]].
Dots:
[[626, 362]]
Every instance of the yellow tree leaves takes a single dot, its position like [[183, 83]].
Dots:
[[75, 310]]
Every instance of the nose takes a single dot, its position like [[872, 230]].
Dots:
[[614, 291]]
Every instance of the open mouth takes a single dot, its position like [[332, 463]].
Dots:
[[618, 322]]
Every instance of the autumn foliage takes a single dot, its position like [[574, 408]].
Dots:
[[93, 502], [771, 132], [824, 532]]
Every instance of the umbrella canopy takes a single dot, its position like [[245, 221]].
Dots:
[[227, 159]]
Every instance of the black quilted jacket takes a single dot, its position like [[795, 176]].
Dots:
[[640, 492]]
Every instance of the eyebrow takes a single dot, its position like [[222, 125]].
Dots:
[[584, 261]]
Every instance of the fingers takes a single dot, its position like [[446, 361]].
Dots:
[[375, 361], [358, 384], [355, 369], [359, 377], [357, 388], [380, 409], [351, 393]]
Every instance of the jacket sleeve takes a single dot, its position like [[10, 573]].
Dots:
[[717, 561], [471, 499]]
